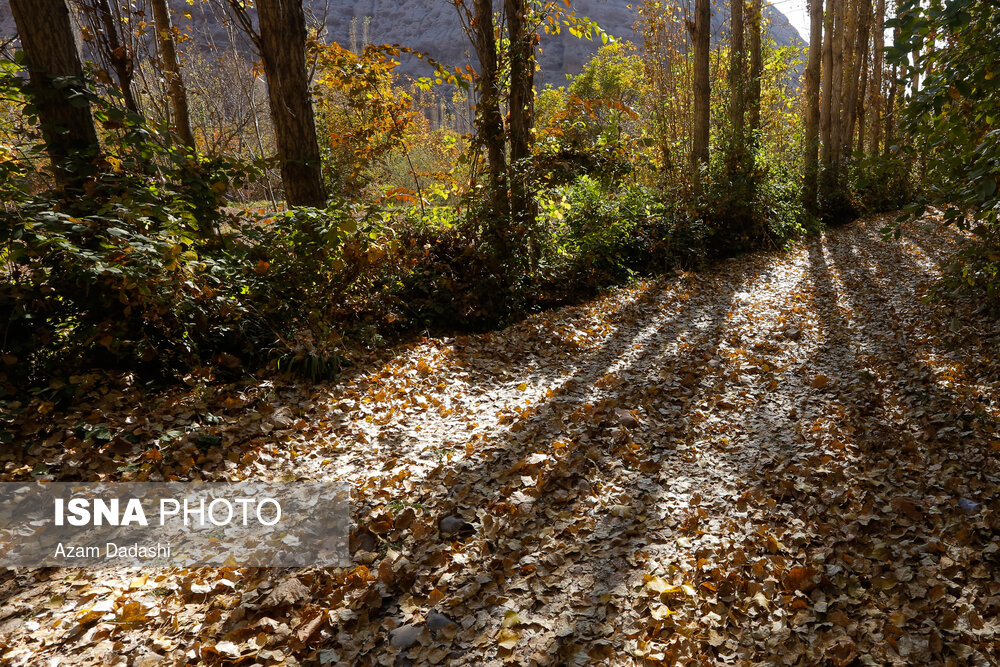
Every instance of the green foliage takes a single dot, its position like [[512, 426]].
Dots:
[[881, 183], [952, 120], [601, 235]]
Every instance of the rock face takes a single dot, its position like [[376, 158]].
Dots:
[[433, 26]]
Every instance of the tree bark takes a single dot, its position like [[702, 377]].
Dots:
[[56, 86], [812, 104], [876, 94], [737, 76], [521, 105], [282, 50], [861, 107], [489, 121], [854, 83], [756, 67], [702, 88], [826, 103], [117, 53], [172, 73], [837, 82]]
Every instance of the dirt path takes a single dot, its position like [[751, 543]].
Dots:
[[792, 459]]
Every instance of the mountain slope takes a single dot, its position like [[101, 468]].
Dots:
[[433, 26]]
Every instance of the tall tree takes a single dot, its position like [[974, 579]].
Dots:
[[812, 104], [57, 87], [858, 72], [282, 46], [700, 28], [756, 66], [839, 39], [826, 100], [737, 75], [521, 42], [489, 120], [106, 24], [172, 73], [876, 87], [896, 89]]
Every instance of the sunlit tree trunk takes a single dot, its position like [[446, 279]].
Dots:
[[700, 28], [172, 73], [837, 83], [826, 102], [756, 67], [861, 106], [522, 105], [489, 121], [876, 88], [737, 77], [56, 83], [812, 104], [857, 73], [282, 49]]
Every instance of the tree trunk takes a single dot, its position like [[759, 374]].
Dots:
[[837, 79], [861, 108], [890, 111], [56, 84], [117, 53], [700, 29], [876, 95], [737, 76], [522, 105], [812, 104], [826, 103], [172, 73], [489, 121], [860, 60], [282, 49], [756, 67]]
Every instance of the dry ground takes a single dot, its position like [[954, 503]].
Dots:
[[789, 459]]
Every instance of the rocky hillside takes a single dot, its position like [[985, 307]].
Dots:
[[433, 26]]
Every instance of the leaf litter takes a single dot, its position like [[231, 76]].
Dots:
[[788, 460]]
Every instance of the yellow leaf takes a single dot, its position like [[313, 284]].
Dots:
[[657, 584], [139, 582], [507, 638], [511, 618], [522, 386], [132, 612], [661, 612]]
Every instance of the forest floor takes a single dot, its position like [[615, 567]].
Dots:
[[790, 459]]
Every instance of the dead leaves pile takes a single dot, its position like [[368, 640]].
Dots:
[[791, 460]]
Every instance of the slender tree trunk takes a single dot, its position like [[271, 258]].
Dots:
[[826, 103], [282, 49], [700, 29], [522, 106], [172, 73], [860, 60], [489, 121], [756, 67], [67, 125], [878, 45], [812, 104], [890, 111], [836, 92], [861, 109], [121, 59], [737, 76]]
